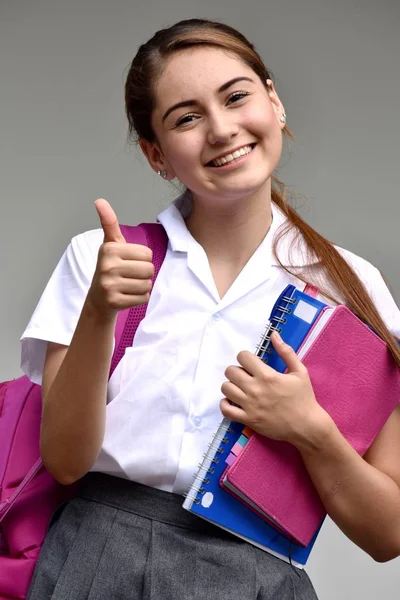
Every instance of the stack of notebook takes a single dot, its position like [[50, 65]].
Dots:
[[258, 488]]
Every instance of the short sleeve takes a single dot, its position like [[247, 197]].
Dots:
[[57, 313], [377, 289]]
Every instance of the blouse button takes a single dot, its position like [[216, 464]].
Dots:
[[196, 420]]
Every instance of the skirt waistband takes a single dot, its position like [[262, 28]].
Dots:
[[144, 501]]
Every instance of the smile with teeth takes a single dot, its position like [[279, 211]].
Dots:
[[223, 160]]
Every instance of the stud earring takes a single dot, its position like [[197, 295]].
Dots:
[[162, 174], [283, 118]]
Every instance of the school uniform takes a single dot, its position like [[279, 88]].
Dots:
[[126, 535]]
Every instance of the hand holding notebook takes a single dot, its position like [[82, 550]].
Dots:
[[279, 406], [356, 381]]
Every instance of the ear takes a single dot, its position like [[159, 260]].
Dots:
[[155, 157], [275, 101]]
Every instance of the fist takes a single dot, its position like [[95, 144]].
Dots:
[[123, 275]]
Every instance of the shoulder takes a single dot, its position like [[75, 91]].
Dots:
[[87, 243], [369, 274], [364, 269], [81, 253], [295, 254], [376, 287]]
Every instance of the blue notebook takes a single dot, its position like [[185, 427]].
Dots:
[[292, 316]]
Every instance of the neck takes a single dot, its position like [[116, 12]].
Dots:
[[231, 234]]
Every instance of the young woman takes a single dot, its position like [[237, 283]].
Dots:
[[205, 111]]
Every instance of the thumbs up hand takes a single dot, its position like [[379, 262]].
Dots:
[[123, 272]]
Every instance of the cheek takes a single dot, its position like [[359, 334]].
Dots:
[[184, 156], [262, 120], [182, 152], [266, 125]]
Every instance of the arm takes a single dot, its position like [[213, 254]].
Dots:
[[75, 377], [362, 495], [74, 398]]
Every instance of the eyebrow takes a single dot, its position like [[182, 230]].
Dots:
[[186, 103]]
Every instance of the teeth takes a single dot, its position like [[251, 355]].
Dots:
[[218, 162]]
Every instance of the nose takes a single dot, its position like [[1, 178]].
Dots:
[[221, 128]]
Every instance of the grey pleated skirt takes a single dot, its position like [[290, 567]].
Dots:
[[119, 540]]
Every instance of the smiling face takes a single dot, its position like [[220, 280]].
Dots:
[[217, 125]]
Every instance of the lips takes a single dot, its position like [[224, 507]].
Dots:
[[230, 156]]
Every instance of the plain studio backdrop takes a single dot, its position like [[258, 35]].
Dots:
[[63, 144]]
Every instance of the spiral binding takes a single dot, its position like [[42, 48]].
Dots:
[[264, 347], [215, 447], [205, 468]]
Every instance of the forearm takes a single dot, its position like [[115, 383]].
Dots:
[[73, 419], [363, 501]]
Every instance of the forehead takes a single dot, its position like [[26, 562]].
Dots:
[[195, 71]]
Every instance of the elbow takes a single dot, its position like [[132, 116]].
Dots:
[[389, 551], [63, 471], [62, 476], [66, 478], [385, 556], [67, 461]]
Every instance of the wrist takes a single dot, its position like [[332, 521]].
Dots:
[[98, 316], [315, 437]]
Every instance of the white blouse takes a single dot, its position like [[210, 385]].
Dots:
[[163, 398]]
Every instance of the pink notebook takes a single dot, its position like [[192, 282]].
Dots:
[[357, 382]]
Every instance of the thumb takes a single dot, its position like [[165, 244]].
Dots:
[[287, 354], [109, 221]]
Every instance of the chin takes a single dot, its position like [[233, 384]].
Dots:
[[242, 188], [236, 187]]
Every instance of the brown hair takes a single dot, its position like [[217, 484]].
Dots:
[[143, 74]]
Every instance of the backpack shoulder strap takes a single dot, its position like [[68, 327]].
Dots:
[[154, 236]]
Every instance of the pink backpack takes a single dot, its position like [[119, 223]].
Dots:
[[29, 495]]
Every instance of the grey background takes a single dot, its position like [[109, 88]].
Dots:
[[63, 144]]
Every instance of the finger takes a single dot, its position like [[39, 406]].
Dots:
[[287, 354], [134, 287], [234, 413], [109, 221], [234, 394], [124, 301], [136, 269], [253, 364], [129, 252], [238, 376]]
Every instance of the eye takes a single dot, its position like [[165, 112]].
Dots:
[[236, 96], [186, 119]]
